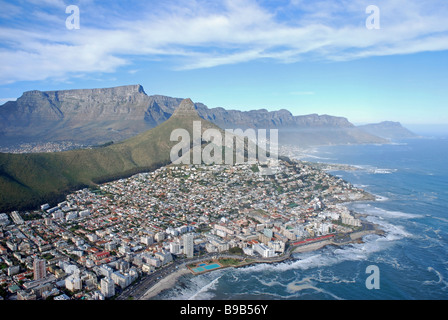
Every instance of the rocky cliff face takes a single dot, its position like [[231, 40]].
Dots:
[[92, 116], [87, 115], [84, 104], [269, 119]]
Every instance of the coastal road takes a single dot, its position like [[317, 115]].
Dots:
[[138, 289]]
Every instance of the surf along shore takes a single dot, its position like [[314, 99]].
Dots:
[[147, 290], [220, 261]]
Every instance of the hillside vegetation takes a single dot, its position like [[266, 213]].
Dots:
[[28, 180]]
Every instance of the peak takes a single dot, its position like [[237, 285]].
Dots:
[[186, 103], [186, 108]]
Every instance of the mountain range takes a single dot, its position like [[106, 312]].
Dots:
[[97, 116], [141, 127]]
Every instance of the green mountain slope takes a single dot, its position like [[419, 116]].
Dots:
[[27, 180]]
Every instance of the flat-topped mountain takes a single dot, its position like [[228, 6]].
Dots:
[[388, 130], [96, 116], [86, 115], [30, 179]]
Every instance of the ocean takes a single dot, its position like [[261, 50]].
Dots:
[[410, 179]]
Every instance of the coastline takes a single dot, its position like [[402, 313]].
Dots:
[[165, 283], [355, 237], [170, 280]]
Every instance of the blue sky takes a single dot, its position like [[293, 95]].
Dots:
[[304, 56]]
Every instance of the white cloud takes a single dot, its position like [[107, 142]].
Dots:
[[202, 34], [4, 100], [51, 3]]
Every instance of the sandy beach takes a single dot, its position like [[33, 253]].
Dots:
[[166, 283]]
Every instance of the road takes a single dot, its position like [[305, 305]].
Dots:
[[138, 289]]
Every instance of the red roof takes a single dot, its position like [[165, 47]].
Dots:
[[102, 254]]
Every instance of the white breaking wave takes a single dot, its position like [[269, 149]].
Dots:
[[198, 288], [372, 169], [203, 294], [441, 219], [381, 198], [375, 211], [383, 171], [362, 186]]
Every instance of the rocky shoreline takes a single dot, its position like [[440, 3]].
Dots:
[[170, 280]]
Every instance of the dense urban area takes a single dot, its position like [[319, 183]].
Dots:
[[103, 240], [35, 147]]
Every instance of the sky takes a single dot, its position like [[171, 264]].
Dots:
[[336, 57]]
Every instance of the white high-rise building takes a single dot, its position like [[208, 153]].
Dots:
[[107, 287], [73, 282], [175, 248], [188, 245], [263, 250], [147, 240], [39, 267]]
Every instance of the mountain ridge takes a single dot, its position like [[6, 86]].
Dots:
[[30, 179], [95, 116]]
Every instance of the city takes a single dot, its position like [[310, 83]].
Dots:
[[99, 241]]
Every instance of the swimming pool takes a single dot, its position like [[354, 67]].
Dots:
[[204, 267]]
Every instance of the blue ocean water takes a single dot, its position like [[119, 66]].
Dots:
[[411, 180]]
